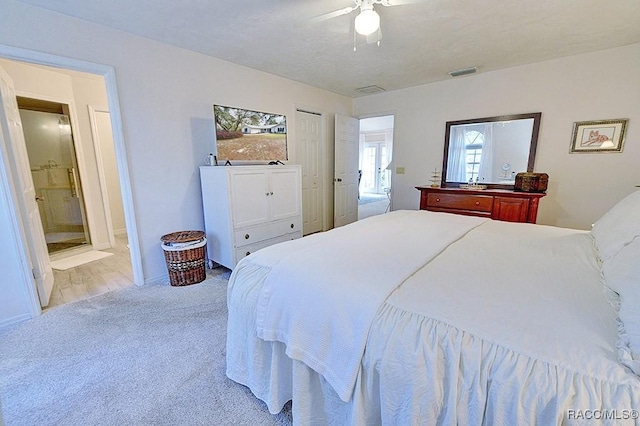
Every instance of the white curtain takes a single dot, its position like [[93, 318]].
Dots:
[[485, 173], [456, 163]]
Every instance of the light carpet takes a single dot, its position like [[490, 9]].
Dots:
[[371, 198], [79, 259], [151, 355]]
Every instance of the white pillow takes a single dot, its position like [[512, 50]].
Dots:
[[617, 227], [622, 275]]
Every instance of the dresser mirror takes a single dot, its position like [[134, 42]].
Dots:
[[489, 151]]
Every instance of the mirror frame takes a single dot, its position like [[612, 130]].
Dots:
[[532, 145]]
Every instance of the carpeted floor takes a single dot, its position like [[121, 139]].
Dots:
[[152, 355], [371, 198]]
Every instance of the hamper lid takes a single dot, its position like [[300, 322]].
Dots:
[[182, 237]]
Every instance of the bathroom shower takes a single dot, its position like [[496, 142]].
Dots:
[[52, 157]]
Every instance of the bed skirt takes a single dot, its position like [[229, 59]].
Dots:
[[453, 377]]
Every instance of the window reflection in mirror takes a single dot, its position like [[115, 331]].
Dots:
[[489, 151]]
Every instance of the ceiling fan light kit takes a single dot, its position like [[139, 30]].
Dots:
[[368, 21]]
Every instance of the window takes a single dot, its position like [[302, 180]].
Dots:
[[473, 150]]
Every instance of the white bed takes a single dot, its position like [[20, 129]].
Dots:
[[415, 317]]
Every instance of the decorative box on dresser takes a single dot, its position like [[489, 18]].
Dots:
[[499, 204], [247, 208]]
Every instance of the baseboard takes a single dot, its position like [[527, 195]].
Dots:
[[14, 320], [122, 231], [159, 279]]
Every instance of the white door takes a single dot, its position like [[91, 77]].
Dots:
[[309, 147], [284, 193], [375, 177], [13, 137], [345, 191]]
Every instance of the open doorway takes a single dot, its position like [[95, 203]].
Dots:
[[376, 147], [72, 157], [54, 169]]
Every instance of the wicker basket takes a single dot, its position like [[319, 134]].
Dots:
[[184, 252]]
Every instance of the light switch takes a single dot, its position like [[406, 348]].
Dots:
[[399, 170]]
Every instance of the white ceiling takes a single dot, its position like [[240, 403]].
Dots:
[[421, 42]]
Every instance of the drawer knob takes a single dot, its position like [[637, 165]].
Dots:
[[438, 200], [292, 226], [477, 203], [246, 236], [247, 253]]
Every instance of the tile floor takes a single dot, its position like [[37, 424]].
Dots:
[[94, 278]]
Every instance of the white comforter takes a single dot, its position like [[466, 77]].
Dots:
[[508, 325], [321, 296]]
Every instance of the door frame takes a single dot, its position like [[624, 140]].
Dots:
[[109, 74], [394, 114], [101, 174]]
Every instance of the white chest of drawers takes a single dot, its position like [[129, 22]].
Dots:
[[247, 208]]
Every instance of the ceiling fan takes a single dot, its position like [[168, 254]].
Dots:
[[367, 22]]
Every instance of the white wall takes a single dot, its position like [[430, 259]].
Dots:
[[601, 85], [166, 98]]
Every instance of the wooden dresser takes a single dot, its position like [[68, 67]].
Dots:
[[499, 204]]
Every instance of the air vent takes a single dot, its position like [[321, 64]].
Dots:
[[463, 71], [370, 89]]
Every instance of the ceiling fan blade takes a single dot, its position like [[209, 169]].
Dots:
[[375, 37], [331, 15], [400, 2]]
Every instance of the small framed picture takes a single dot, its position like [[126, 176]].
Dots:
[[598, 136]]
